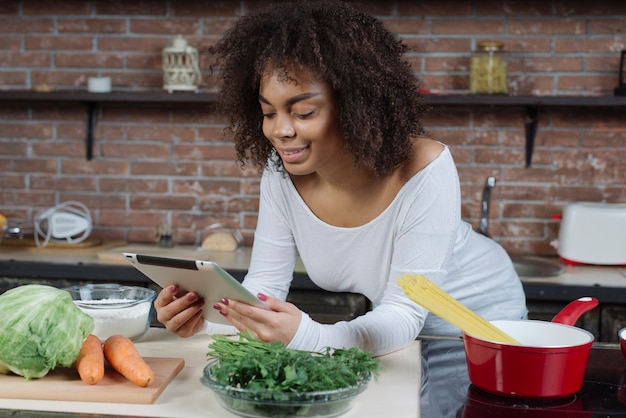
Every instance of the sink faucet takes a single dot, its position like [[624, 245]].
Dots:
[[484, 207]]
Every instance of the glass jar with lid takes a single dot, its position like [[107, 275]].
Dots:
[[489, 68]]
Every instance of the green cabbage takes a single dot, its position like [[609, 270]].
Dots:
[[41, 328]]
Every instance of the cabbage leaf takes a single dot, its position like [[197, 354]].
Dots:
[[41, 328]]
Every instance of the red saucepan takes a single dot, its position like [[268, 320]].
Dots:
[[550, 363]]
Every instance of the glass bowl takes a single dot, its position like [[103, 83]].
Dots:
[[115, 309], [255, 404]]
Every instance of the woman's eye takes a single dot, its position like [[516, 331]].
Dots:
[[304, 115], [268, 115]]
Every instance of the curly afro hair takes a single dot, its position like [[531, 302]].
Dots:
[[379, 101]]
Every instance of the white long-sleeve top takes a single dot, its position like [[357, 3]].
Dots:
[[421, 231]]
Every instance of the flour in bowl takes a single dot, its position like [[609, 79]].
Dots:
[[112, 317]]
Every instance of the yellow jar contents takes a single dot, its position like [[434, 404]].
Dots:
[[488, 70]]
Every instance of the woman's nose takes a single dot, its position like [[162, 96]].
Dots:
[[283, 127]]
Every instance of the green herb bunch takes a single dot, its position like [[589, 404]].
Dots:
[[248, 363]]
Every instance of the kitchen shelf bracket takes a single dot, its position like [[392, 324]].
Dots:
[[90, 125], [532, 116]]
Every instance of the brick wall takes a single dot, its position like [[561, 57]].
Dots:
[[169, 163]]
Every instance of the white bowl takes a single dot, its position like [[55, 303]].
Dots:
[[115, 309]]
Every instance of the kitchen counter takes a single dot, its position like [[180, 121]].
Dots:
[[105, 262], [185, 396]]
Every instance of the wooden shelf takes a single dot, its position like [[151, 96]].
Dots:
[[92, 100], [204, 97]]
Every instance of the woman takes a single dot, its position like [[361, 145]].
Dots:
[[321, 99]]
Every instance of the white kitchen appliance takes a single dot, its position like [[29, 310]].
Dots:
[[593, 233]]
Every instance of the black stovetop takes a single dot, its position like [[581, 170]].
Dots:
[[603, 394]]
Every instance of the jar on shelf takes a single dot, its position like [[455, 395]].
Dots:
[[488, 69]]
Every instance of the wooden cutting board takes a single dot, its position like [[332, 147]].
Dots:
[[63, 384]]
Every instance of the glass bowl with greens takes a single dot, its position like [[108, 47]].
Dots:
[[254, 379]]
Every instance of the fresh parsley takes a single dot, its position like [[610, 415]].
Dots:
[[248, 363]]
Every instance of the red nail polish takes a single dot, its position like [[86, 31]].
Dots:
[[217, 307], [224, 301], [262, 297], [192, 297]]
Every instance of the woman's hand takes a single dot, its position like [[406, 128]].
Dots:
[[180, 315], [279, 323]]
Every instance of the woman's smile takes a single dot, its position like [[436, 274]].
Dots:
[[293, 155]]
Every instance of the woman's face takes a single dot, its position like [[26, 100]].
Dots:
[[300, 119]]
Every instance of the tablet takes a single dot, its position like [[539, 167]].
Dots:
[[206, 278]]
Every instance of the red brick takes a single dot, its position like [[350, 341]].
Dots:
[[225, 168], [26, 25], [32, 199], [164, 168], [202, 152], [33, 165], [27, 130], [165, 26], [215, 188], [552, 26], [134, 150], [130, 218], [545, 64], [165, 132], [13, 148], [459, 26], [12, 181], [132, 185], [89, 60], [447, 63], [160, 201], [25, 59], [123, 43], [12, 78], [145, 61], [95, 201], [413, 25], [99, 25], [445, 82], [95, 167], [433, 8], [58, 148], [10, 42], [63, 183], [583, 7], [138, 7], [585, 45], [610, 25], [9, 7], [513, 8], [437, 44], [594, 84], [48, 43], [195, 8], [48, 7]]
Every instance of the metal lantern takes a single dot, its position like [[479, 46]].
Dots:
[[180, 66]]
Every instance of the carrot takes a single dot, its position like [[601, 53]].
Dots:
[[123, 356], [90, 360]]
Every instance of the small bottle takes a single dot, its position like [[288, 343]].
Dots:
[[488, 70]]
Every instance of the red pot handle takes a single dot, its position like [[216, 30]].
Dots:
[[573, 310]]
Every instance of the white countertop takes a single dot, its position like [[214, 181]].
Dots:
[[395, 394]]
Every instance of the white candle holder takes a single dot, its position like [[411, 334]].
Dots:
[[180, 66]]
